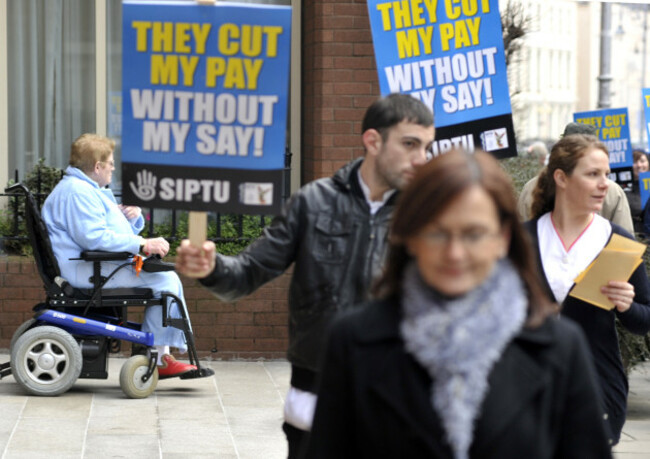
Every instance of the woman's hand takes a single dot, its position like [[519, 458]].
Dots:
[[619, 293], [196, 262], [156, 245], [130, 212]]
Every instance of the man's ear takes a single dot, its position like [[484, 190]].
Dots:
[[372, 141]]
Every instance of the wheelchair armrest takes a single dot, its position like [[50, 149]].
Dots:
[[154, 264], [98, 255]]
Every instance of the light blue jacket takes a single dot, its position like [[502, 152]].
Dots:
[[82, 216]]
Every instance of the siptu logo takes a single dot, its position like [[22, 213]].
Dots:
[[495, 139], [146, 188]]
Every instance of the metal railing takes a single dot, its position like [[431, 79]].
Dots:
[[14, 211]]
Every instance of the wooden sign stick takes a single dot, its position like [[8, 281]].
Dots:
[[197, 223], [197, 228]]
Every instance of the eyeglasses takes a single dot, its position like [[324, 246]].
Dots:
[[109, 162], [470, 239]]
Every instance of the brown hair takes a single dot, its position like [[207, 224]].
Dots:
[[637, 153], [87, 149], [565, 155], [387, 112], [434, 186]]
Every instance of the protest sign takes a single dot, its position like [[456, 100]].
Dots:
[[205, 91], [449, 54], [613, 129], [644, 187]]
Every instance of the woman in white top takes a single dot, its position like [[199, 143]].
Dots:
[[568, 234]]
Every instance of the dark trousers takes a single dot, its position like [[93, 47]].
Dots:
[[296, 438]]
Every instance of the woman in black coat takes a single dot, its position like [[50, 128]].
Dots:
[[568, 235], [460, 357]]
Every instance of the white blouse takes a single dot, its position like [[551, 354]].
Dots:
[[563, 264]]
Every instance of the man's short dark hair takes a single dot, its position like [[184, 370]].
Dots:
[[579, 128], [388, 111]]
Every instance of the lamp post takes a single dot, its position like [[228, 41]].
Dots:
[[642, 125], [605, 77]]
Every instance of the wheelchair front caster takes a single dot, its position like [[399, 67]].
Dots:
[[46, 360], [131, 377]]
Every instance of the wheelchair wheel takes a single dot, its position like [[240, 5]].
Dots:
[[46, 360], [20, 330], [131, 377]]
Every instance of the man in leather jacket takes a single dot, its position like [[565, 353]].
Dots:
[[334, 230]]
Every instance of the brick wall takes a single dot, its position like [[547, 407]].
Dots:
[[339, 82], [253, 327]]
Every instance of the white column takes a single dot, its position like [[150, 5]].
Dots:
[[101, 108], [4, 97]]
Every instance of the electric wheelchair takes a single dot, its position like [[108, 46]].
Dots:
[[74, 330]]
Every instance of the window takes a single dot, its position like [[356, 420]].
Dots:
[[50, 78]]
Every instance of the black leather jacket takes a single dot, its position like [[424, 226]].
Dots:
[[338, 249]]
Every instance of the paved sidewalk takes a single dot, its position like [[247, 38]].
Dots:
[[235, 414], [635, 440]]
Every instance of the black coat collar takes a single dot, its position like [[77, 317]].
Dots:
[[403, 385]]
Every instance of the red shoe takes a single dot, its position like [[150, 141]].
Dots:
[[172, 367]]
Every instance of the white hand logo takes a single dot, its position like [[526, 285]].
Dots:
[[146, 189]]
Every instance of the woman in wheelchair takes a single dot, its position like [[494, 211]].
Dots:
[[81, 214]]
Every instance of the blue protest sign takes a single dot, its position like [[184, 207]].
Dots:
[[644, 187], [205, 91], [614, 130], [449, 54]]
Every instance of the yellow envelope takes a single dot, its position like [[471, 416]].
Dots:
[[616, 262], [618, 242]]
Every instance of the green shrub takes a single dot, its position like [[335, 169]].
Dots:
[[233, 234], [521, 169]]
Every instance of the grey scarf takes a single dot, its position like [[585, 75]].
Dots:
[[459, 340]]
